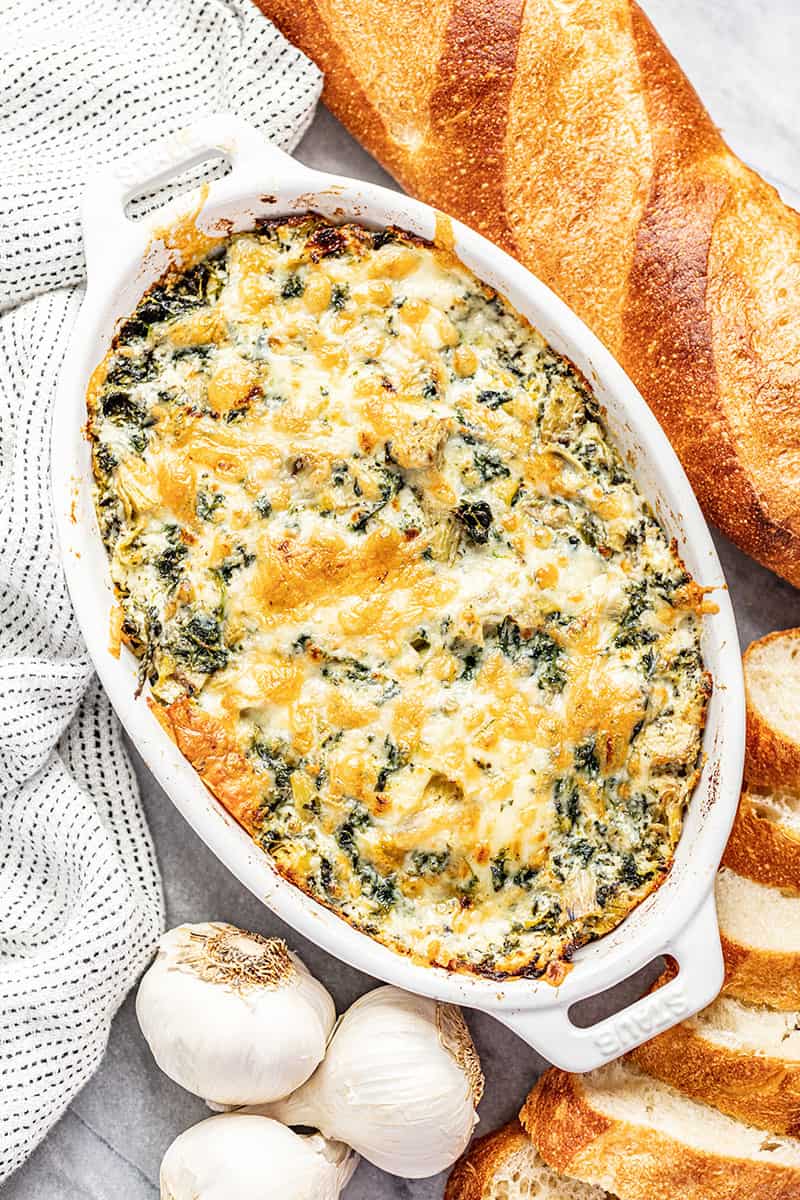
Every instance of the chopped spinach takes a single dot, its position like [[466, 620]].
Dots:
[[471, 660], [567, 801], [631, 632], [342, 669], [126, 370], [122, 409], [539, 651], [429, 862], [239, 558], [104, 457], [326, 878], [500, 872], [391, 484], [493, 399], [178, 295], [395, 761], [199, 643], [169, 563], [585, 757], [207, 503], [339, 295], [489, 464], [293, 286], [273, 757]]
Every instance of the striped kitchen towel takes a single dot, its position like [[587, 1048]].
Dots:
[[84, 82]]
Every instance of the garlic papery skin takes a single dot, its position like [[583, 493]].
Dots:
[[241, 1157], [399, 1083], [232, 1016]]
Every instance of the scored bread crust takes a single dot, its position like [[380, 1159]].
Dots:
[[762, 849], [569, 135], [759, 1089], [635, 1162], [772, 760]]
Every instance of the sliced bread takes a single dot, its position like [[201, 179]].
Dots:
[[772, 683], [765, 841], [619, 1129], [760, 931], [504, 1166], [742, 1059]]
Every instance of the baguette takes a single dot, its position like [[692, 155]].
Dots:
[[743, 1060], [760, 933], [772, 684], [568, 134], [504, 1166], [620, 1130]]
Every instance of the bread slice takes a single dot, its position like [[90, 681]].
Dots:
[[504, 1166], [742, 1059], [772, 684], [621, 1130], [760, 932], [765, 841]]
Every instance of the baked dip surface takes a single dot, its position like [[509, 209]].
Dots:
[[395, 594]]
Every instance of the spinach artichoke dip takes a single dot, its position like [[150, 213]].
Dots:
[[396, 596]]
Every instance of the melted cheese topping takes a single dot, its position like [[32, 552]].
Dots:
[[403, 603]]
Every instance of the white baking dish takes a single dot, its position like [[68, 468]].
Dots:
[[123, 259]]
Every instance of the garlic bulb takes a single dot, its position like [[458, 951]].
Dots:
[[242, 1157], [234, 1017], [399, 1083]]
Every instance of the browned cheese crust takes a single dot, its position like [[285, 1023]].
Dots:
[[569, 135], [213, 753], [761, 849], [758, 1089], [638, 1163]]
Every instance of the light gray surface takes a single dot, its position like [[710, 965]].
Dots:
[[741, 55]]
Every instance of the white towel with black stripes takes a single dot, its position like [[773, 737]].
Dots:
[[84, 82]]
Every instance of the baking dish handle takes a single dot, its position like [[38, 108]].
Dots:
[[110, 235], [699, 956]]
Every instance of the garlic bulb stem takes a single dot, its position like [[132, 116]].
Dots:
[[399, 1083], [233, 1016], [243, 1157]]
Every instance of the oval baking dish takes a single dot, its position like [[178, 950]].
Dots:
[[124, 259]]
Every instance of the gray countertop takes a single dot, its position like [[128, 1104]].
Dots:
[[742, 57]]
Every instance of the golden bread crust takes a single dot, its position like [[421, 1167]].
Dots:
[[763, 850], [758, 1089], [569, 135], [561, 1126], [474, 1171], [758, 976], [634, 1162]]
